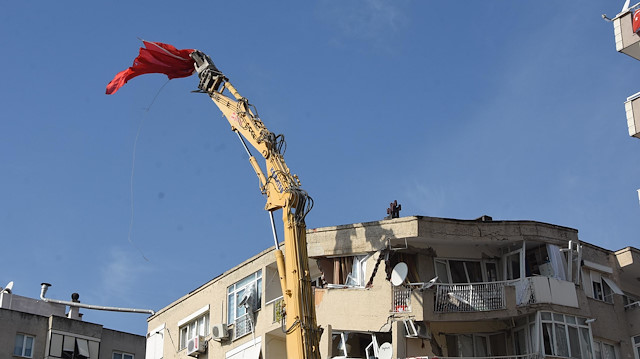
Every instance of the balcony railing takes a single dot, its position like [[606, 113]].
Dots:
[[278, 306], [476, 297], [523, 356], [400, 299], [243, 325]]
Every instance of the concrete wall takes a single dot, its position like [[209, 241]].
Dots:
[[214, 295], [14, 322], [113, 340]]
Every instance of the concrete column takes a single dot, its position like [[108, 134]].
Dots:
[[398, 340], [325, 342]]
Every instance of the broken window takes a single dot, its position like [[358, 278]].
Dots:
[[466, 271], [357, 344], [345, 271]]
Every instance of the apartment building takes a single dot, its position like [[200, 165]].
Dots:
[[423, 287], [33, 328]]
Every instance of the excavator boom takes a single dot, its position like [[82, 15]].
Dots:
[[282, 191]]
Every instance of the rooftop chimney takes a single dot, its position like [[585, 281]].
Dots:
[[74, 312]]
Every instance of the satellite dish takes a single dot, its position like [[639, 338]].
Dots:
[[399, 274], [430, 283], [247, 298], [8, 287], [385, 351]]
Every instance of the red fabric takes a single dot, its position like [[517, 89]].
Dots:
[[636, 20], [155, 58]]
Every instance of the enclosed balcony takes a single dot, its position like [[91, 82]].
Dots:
[[632, 109], [627, 41]]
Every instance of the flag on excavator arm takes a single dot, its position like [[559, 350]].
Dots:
[[155, 57], [636, 21]]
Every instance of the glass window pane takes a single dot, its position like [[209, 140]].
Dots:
[[558, 317], [474, 270], [570, 319], [596, 350], [28, 346], [183, 337], [585, 343], [481, 346], [117, 355], [609, 352], [127, 356], [520, 342], [231, 309], [547, 336], [546, 316], [492, 272], [17, 349], [636, 339], [561, 340], [458, 274], [441, 271], [465, 345], [245, 281], [574, 342]]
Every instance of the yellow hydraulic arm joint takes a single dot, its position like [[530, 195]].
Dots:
[[282, 191]]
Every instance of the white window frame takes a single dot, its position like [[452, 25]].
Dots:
[[607, 287], [195, 324], [563, 325], [123, 355], [234, 293], [598, 346], [24, 345], [483, 269], [635, 341]]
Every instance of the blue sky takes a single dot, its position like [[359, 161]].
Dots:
[[514, 109]]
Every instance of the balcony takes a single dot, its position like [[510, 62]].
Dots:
[[523, 356], [476, 297], [627, 41], [632, 109], [541, 289], [400, 299]]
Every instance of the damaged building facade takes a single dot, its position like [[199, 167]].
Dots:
[[423, 287]]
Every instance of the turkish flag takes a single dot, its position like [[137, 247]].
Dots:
[[155, 57], [636, 20]]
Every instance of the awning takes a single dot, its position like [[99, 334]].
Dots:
[[250, 350]]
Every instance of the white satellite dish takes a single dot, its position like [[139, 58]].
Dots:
[[399, 274], [385, 351], [247, 299]]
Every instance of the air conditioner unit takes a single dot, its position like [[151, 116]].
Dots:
[[219, 332], [196, 346]]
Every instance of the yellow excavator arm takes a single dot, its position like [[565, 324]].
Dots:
[[283, 191]]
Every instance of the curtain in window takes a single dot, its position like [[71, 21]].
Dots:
[[335, 270], [558, 262]]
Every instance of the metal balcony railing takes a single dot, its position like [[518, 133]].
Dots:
[[243, 325], [523, 356], [476, 297], [400, 299], [278, 305]]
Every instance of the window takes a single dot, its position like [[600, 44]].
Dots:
[[602, 287], [565, 336], [604, 350], [239, 315], [191, 327], [476, 345], [118, 355], [23, 346], [466, 271], [636, 346], [66, 346], [344, 271]]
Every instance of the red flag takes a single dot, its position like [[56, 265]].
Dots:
[[155, 58], [636, 20]]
